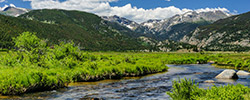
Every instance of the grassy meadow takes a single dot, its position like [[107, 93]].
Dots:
[[37, 66], [20, 74], [19, 77]]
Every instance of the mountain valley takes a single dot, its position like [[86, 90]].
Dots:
[[109, 32]]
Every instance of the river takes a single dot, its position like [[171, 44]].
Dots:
[[150, 87]]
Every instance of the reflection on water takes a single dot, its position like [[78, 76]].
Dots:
[[91, 83], [6, 97], [111, 80], [148, 87]]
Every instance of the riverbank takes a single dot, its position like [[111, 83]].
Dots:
[[153, 86], [232, 60], [36, 66], [30, 77], [23, 77]]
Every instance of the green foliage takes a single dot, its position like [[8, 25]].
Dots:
[[36, 65], [28, 41], [188, 90], [185, 90], [235, 61], [229, 92], [174, 46], [89, 30], [194, 58]]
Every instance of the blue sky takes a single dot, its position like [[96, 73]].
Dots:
[[131, 8], [239, 5]]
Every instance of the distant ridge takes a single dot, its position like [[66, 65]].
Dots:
[[229, 34], [169, 28]]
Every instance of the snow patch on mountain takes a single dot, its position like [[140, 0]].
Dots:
[[122, 21]]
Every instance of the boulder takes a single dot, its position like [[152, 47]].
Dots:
[[209, 81], [242, 72], [228, 74], [211, 62]]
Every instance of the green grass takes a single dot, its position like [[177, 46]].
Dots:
[[25, 77], [28, 77], [21, 72], [188, 90], [93, 66], [232, 60], [37, 66]]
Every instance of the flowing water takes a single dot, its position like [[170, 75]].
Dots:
[[151, 87]]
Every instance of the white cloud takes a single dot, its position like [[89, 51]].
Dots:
[[167, 0], [235, 12], [103, 8], [140, 14], [211, 9], [2, 1], [12, 5]]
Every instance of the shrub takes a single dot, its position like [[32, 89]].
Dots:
[[187, 90], [36, 66]]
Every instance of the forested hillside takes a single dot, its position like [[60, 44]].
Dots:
[[88, 30]]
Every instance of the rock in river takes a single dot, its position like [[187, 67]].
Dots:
[[228, 74], [242, 72], [209, 81]]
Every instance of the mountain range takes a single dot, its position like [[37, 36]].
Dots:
[[173, 28], [211, 30]]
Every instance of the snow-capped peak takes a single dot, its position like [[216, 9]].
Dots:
[[187, 13], [150, 23], [4, 7], [12, 10], [123, 21], [12, 5], [7, 6]]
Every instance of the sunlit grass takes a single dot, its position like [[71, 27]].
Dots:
[[35, 66], [97, 66], [188, 90]]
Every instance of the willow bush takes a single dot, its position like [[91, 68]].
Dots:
[[36, 65], [189, 90]]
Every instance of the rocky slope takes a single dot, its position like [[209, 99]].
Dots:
[[165, 25], [168, 45], [123, 21], [173, 28], [229, 34]]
